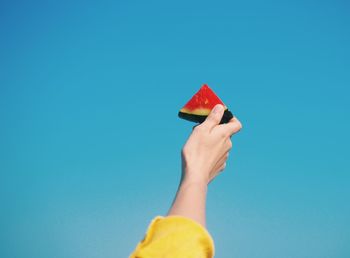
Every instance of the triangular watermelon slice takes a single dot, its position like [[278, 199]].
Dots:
[[200, 105]]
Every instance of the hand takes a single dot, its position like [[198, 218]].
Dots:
[[205, 153]]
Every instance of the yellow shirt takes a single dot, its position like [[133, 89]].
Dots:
[[175, 237]]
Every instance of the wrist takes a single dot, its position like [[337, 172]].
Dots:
[[194, 176], [194, 181]]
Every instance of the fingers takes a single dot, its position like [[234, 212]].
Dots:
[[214, 117], [222, 161], [217, 171], [220, 165], [228, 144], [232, 127]]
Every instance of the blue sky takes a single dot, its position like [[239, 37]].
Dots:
[[90, 139]]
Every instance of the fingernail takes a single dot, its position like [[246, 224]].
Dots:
[[218, 108]]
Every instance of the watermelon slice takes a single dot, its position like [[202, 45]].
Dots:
[[200, 105]]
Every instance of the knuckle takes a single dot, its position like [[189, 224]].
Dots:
[[229, 144], [223, 134], [185, 149], [240, 126]]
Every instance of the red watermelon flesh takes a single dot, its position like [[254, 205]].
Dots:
[[200, 105]]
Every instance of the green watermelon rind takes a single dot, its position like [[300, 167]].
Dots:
[[201, 118]]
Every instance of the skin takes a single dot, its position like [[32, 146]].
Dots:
[[204, 156]]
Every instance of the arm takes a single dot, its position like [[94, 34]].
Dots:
[[182, 232], [203, 157], [190, 201]]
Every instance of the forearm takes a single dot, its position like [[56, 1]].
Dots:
[[203, 157], [190, 200]]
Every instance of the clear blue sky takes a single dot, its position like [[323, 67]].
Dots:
[[90, 139]]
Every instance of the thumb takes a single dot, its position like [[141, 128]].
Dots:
[[214, 117]]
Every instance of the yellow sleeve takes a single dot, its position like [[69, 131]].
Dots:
[[175, 237]]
